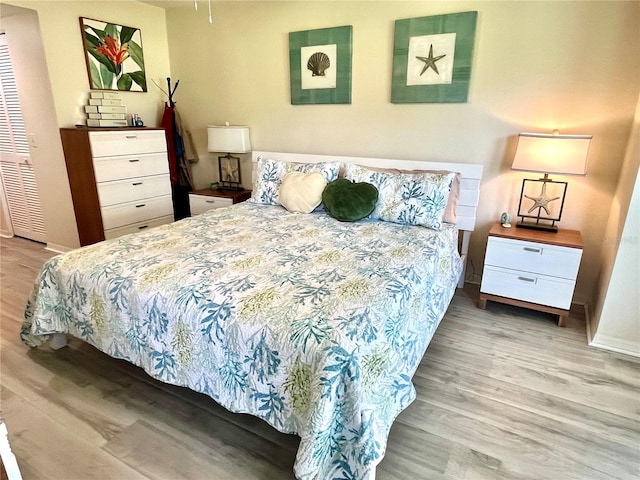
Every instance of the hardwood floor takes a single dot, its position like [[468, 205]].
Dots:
[[503, 393]]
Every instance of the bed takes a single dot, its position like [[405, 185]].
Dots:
[[312, 324]]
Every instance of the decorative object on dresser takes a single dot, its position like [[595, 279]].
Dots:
[[229, 139], [206, 199], [543, 153], [119, 180], [105, 109], [532, 269]]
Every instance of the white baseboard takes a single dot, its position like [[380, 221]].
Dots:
[[6, 234], [615, 344], [52, 247], [606, 342]]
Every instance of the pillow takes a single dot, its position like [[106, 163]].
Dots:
[[269, 173], [407, 198], [301, 192], [454, 191], [347, 201]]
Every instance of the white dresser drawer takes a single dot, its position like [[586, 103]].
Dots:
[[541, 289], [131, 189], [137, 227], [116, 168], [111, 143], [132, 212], [202, 203], [553, 260]]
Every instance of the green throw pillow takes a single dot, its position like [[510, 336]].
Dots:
[[347, 201]]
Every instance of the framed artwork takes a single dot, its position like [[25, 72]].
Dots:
[[542, 199], [432, 58], [113, 54], [320, 65]]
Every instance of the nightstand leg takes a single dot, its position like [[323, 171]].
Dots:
[[562, 320], [482, 303]]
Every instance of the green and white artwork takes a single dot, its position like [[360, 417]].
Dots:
[[432, 58], [114, 56]]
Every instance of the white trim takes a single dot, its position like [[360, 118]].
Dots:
[[52, 247], [615, 344]]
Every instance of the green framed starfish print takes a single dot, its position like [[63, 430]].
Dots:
[[432, 58], [113, 54]]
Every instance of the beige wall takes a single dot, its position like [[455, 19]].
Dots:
[[62, 41], [537, 66], [616, 320]]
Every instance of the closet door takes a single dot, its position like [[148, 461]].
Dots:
[[18, 182]]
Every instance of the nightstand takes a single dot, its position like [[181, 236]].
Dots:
[[206, 199], [531, 269]]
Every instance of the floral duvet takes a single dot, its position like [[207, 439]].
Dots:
[[313, 325]]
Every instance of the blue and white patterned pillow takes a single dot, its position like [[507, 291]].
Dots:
[[406, 198], [269, 174]]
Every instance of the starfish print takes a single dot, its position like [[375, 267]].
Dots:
[[542, 201], [430, 61]]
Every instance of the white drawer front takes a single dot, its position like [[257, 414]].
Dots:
[[132, 212], [110, 143], [201, 203], [130, 166], [533, 257], [121, 191], [137, 227], [541, 289]]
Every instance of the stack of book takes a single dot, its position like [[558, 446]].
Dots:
[[105, 109]]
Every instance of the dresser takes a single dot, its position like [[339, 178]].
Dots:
[[206, 199], [532, 269], [119, 180]]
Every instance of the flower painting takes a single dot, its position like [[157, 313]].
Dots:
[[114, 56]]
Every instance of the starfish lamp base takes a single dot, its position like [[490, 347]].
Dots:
[[541, 204], [538, 226]]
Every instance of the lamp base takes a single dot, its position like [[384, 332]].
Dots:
[[538, 226]]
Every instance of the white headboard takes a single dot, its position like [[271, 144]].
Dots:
[[469, 186]]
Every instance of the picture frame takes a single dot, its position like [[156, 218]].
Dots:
[[320, 64], [113, 55], [432, 58], [229, 172], [554, 192]]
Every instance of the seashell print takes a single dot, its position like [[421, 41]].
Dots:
[[318, 63]]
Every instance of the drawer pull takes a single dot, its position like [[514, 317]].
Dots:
[[132, 160], [130, 136], [526, 279], [529, 249], [136, 183], [141, 205], [142, 227], [210, 201]]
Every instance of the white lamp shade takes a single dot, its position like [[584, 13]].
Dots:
[[562, 154], [228, 139]]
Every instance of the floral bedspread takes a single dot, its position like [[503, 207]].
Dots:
[[313, 325]]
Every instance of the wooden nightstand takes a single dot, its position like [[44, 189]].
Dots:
[[532, 269], [206, 199]]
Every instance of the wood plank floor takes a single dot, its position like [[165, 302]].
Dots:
[[503, 393]]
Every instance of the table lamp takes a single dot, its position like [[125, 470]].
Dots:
[[542, 200], [229, 139]]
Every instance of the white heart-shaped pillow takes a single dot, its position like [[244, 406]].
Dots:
[[301, 192]]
